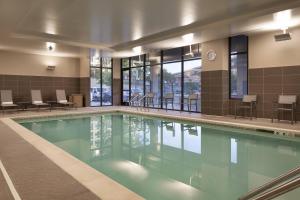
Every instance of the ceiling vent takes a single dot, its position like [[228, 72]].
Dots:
[[282, 37], [51, 68]]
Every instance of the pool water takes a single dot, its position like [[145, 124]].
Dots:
[[162, 159]]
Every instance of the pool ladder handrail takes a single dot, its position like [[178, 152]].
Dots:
[[265, 192], [133, 100], [140, 100]]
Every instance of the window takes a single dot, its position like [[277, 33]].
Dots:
[[192, 84], [152, 82], [101, 81], [172, 84], [137, 81], [170, 75], [238, 69]]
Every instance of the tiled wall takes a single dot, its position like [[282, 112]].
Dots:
[[116, 92], [21, 86], [214, 98], [268, 83], [85, 90]]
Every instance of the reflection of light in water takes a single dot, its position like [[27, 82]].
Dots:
[[96, 153], [233, 150], [158, 147], [153, 158], [179, 188], [132, 169]]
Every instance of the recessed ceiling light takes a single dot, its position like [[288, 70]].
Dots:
[[137, 50], [50, 46], [283, 19], [188, 38]]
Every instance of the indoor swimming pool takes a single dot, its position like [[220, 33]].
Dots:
[[167, 159]]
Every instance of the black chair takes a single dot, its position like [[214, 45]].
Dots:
[[150, 99], [169, 98]]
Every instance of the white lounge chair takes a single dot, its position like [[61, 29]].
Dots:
[[7, 100], [37, 100], [62, 99]]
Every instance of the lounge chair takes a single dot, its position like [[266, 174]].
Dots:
[[248, 103], [7, 100], [285, 103], [62, 99], [37, 100]]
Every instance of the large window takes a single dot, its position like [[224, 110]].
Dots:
[[101, 81], [152, 83], [172, 77], [238, 60], [192, 84], [172, 74]]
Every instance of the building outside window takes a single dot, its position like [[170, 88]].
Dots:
[[100, 81], [174, 71], [238, 61]]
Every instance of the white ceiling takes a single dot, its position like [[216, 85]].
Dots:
[[118, 25]]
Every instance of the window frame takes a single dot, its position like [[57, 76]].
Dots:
[[100, 67], [181, 60], [229, 66]]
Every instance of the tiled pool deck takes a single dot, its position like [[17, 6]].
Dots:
[[36, 165]]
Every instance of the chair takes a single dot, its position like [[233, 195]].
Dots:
[[192, 98], [150, 99], [62, 99], [37, 100], [248, 103], [7, 100], [285, 103], [169, 98]]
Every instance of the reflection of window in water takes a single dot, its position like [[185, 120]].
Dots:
[[172, 134], [140, 132], [95, 133], [233, 150], [192, 138]]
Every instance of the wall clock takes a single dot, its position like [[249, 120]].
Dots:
[[211, 55]]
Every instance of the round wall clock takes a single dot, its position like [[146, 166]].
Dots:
[[211, 55]]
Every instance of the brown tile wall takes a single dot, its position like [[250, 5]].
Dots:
[[116, 92], [214, 100], [268, 83], [21, 86], [85, 90]]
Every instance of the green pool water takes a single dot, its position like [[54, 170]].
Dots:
[[163, 159]]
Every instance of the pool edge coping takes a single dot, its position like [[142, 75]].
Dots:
[[168, 116], [80, 171]]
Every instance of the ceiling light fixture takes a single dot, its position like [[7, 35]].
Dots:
[[137, 50], [188, 38], [50, 46], [283, 19]]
